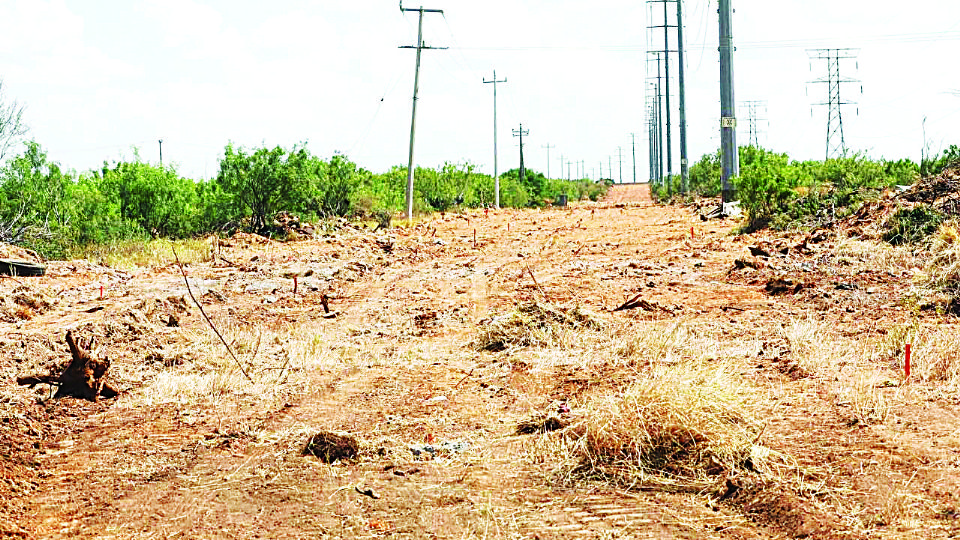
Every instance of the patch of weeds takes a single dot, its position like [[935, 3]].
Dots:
[[912, 225]]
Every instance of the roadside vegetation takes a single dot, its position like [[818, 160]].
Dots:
[[62, 214], [778, 192]]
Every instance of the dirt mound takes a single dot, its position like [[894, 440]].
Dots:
[[9, 251], [23, 303], [773, 504]]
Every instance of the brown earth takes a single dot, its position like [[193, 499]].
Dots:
[[226, 458]]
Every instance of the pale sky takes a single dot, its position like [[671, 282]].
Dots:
[[100, 77]]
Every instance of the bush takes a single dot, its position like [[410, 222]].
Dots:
[[268, 180], [912, 225], [153, 197]]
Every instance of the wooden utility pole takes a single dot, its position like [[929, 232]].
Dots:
[[548, 147], [520, 133], [496, 172], [416, 88]]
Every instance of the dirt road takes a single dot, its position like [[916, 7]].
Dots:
[[192, 449]]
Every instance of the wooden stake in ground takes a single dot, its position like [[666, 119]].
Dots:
[[85, 376]]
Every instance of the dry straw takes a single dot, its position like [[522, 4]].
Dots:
[[534, 324], [681, 425]]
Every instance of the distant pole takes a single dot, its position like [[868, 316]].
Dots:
[[161, 152], [633, 148], [416, 88], [666, 93], [583, 169], [520, 133], [548, 147], [610, 166], [496, 175], [620, 158], [728, 112], [684, 160]]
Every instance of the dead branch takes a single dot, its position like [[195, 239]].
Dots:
[[206, 318], [637, 302], [529, 271]]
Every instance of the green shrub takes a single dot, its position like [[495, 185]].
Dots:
[[912, 225]]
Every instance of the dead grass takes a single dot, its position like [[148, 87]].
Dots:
[[535, 324], [682, 426], [876, 255], [278, 363], [943, 268], [149, 253], [682, 417], [805, 337]]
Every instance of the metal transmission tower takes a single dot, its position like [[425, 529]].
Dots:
[[496, 174], [548, 147], [730, 159], [836, 146], [416, 89], [520, 133], [753, 120]]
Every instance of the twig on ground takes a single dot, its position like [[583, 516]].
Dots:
[[637, 302], [537, 284], [204, 313]]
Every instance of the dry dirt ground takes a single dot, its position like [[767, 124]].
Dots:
[[193, 449]]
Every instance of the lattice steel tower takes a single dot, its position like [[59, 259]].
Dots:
[[836, 145], [753, 120]]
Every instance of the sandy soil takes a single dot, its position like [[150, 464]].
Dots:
[[184, 454]]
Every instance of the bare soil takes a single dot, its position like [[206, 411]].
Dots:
[[435, 418]]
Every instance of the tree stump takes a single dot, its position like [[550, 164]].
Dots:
[[84, 377]]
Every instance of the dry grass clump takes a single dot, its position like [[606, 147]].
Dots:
[[681, 425], [874, 254], [150, 253], [936, 356], [943, 268], [534, 324], [806, 337]]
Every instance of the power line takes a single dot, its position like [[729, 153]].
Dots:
[[729, 157]]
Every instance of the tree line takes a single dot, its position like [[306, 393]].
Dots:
[[57, 212]]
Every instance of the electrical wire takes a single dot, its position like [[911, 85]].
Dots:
[[358, 144]]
